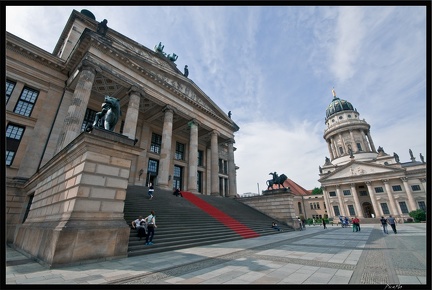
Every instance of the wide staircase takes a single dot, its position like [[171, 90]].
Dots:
[[193, 220]]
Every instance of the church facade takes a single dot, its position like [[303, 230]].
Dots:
[[184, 139], [364, 181]]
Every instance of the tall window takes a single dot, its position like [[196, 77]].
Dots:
[[14, 135], [179, 153], [336, 210], [384, 208], [199, 181], [89, 118], [351, 210], [300, 210], [152, 166], [156, 143], [200, 158], [397, 188], [26, 102], [403, 207], [359, 148], [223, 166], [422, 205], [341, 151], [9, 88]]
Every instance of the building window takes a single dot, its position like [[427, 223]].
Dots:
[[384, 208], [415, 187], [178, 176], [359, 148], [403, 207], [223, 166], [9, 88], [156, 143], [179, 153], [153, 166], [363, 193], [26, 102], [317, 205], [351, 210], [397, 188], [336, 210], [14, 135], [341, 151], [379, 189], [200, 158], [422, 205], [332, 193], [299, 208], [89, 118], [199, 181], [346, 192]]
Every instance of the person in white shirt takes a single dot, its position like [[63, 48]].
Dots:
[[151, 225]]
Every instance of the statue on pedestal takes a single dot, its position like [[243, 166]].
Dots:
[[108, 117]]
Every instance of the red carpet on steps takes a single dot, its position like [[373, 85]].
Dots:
[[228, 221]]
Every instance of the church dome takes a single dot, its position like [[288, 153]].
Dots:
[[338, 105]]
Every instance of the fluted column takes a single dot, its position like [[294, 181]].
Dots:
[[376, 206], [343, 145], [330, 211], [165, 155], [355, 149], [411, 200], [365, 142], [76, 112], [341, 202], [357, 201], [393, 207], [214, 163], [193, 156], [232, 184], [131, 119], [330, 149], [370, 141]]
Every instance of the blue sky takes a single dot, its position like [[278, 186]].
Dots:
[[274, 68]]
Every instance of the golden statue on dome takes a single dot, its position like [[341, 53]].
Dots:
[[334, 93]]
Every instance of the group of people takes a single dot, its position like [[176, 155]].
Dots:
[[356, 224], [145, 227], [391, 221]]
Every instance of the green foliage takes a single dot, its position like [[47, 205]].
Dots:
[[317, 190], [418, 215]]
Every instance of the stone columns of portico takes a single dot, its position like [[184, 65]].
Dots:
[[367, 149], [193, 156], [342, 144], [330, 150], [341, 202], [330, 211], [370, 141], [214, 163], [76, 112], [393, 207], [165, 155], [411, 200], [356, 201], [353, 142], [232, 187], [131, 119], [377, 208]]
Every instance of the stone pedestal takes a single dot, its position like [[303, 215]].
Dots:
[[77, 210]]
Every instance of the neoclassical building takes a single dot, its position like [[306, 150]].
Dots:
[[364, 181], [170, 133]]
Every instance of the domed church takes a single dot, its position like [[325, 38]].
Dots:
[[361, 180]]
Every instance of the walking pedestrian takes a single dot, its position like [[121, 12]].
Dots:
[[324, 223], [151, 225], [383, 221], [392, 222], [150, 190]]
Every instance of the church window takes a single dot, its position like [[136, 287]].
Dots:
[[341, 150], [403, 207], [351, 209], [156, 143], [347, 192], [26, 102], [363, 193], [397, 188], [340, 117], [384, 208], [336, 210], [415, 187], [349, 115], [332, 193], [422, 205], [359, 148], [379, 189]]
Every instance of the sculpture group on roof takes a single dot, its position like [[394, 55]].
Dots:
[[159, 48]]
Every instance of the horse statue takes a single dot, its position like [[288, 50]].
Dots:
[[108, 117], [279, 180]]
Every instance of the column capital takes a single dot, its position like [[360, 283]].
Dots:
[[404, 179], [169, 108], [193, 122], [136, 90], [90, 66], [368, 182], [215, 132], [385, 180]]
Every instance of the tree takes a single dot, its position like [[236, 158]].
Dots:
[[317, 190], [418, 215]]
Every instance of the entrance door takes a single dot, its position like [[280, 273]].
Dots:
[[178, 176], [368, 210]]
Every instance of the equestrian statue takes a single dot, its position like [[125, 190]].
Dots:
[[279, 180]]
